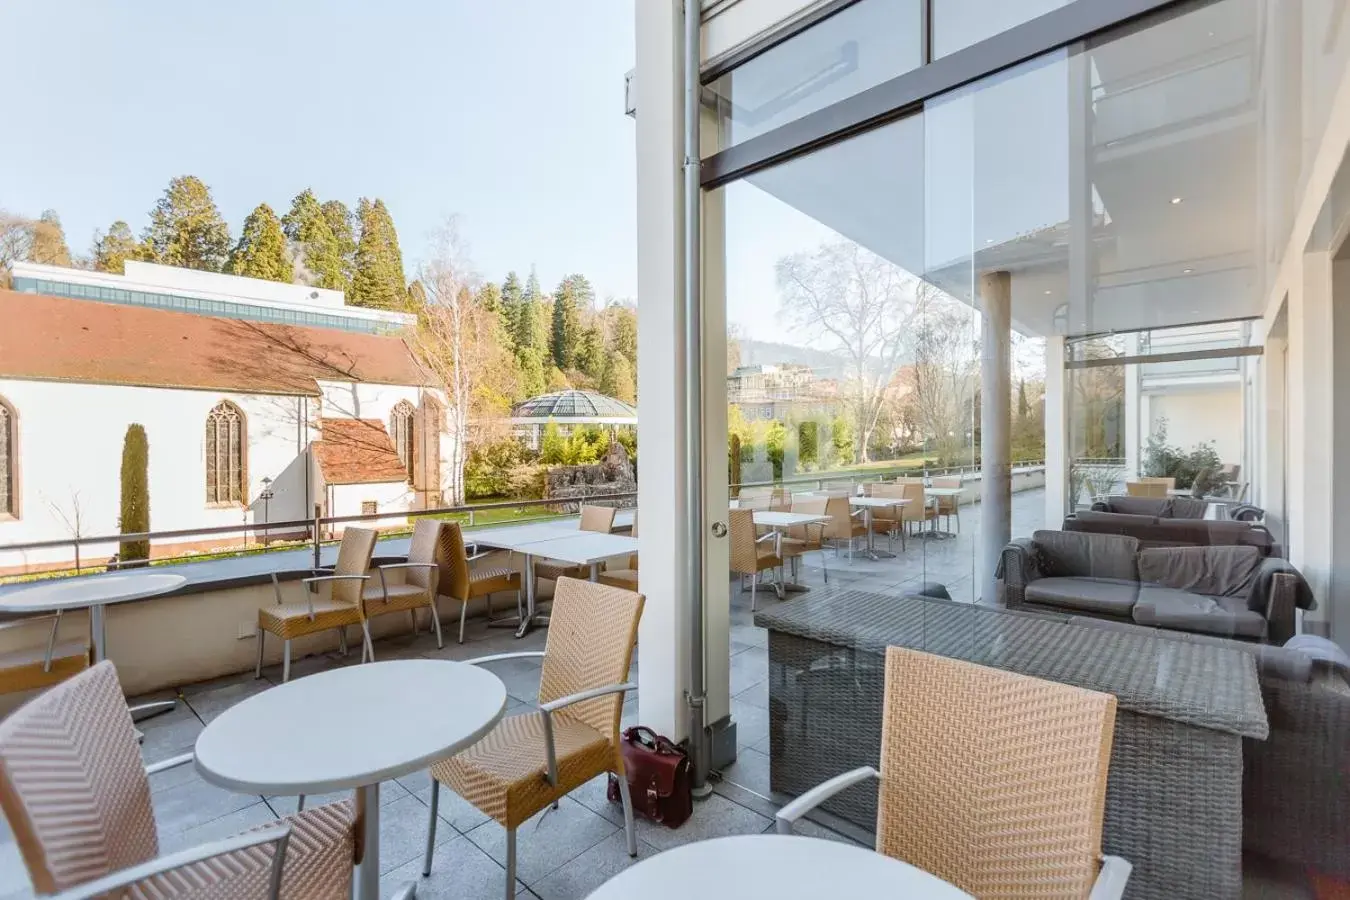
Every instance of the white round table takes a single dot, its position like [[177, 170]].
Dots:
[[348, 728], [784, 867], [93, 593]]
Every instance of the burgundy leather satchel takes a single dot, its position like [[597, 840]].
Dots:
[[658, 777]]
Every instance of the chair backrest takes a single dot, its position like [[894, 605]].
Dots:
[[353, 559], [1169, 480], [915, 510], [811, 506], [597, 518], [72, 784], [743, 553], [840, 525], [780, 500], [454, 560], [947, 481], [425, 548], [947, 505], [1146, 488], [991, 780], [591, 632]]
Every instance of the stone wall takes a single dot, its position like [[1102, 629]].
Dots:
[[612, 475]]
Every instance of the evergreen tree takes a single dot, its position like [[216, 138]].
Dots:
[[618, 380], [417, 295], [112, 250], [316, 247], [533, 381], [489, 299], [378, 282], [186, 229], [339, 219], [261, 251], [513, 299], [590, 356], [623, 335], [573, 295], [49, 241], [552, 445], [527, 321], [135, 515]]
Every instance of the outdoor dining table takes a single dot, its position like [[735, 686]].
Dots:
[[95, 593], [785, 867], [934, 493], [868, 504], [551, 541], [779, 520], [351, 728]]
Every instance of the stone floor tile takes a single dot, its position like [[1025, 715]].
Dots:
[[169, 734], [713, 817], [230, 824], [403, 833], [594, 796], [284, 806], [756, 695], [752, 723], [548, 841], [748, 668], [461, 871], [453, 809], [585, 873], [193, 803], [207, 702], [750, 770]]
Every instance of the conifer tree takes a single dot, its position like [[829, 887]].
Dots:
[[378, 282], [315, 246], [186, 229], [261, 251]]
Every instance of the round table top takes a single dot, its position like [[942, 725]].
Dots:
[[96, 590], [785, 867], [349, 727]]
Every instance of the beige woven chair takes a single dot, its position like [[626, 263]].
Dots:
[[802, 539], [529, 761], [626, 577], [1169, 481], [918, 511], [460, 582], [889, 521], [751, 554], [949, 506], [78, 800], [593, 518], [310, 616], [1146, 489], [990, 780], [845, 523], [418, 589], [33, 669]]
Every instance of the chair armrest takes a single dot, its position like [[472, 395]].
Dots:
[[546, 710], [409, 565], [319, 578], [766, 537], [108, 884], [1018, 568], [477, 556], [789, 814], [496, 657], [1280, 605], [1110, 884], [172, 762]]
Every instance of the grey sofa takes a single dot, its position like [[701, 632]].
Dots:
[[1222, 749], [1172, 531], [1231, 591], [1155, 507]]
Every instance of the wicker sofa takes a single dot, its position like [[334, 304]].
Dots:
[[1200, 772], [1227, 591]]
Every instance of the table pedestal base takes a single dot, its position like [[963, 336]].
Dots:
[[366, 878], [147, 710]]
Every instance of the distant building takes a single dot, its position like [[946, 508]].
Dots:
[[248, 420], [781, 392], [569, 410]]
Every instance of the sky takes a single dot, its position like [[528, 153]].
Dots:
[[508, 115]]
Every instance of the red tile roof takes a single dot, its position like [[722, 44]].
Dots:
[[357, 451], [55, 338]]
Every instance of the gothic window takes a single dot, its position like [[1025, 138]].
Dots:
[[225, 454], [401, 430]]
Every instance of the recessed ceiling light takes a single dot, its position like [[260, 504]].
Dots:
[[1047, 293], [1176, 200], [1187, 271]]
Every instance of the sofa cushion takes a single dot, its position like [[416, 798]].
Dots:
[[1185, 508], [1217, 571], [1067, 554], [1109, 596], [1165, 607], [1136, 506]]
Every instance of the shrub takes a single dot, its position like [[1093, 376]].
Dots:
[[487, 472], [1162, 460], [135, 515]]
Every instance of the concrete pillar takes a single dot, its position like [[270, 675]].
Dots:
[[995, 428], [1137, 427], [1057, 499], [664, 635]]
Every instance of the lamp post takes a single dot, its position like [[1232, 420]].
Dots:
[[266, 496]]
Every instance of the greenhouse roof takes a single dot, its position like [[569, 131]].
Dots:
[[574, 406]]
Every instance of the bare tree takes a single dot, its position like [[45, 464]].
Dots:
[[16, 239], [73, 521], [946, 374], [455, 343], [1099, 397], [853, 302]]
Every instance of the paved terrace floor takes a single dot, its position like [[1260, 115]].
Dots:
[[565, 853]]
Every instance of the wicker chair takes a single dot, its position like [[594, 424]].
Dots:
[[803, 539], [1155, 479], [889, 521], [458, 581], [593, 518], [418, 589], [1156, 489], [751, 554], [948, 506], [78, 800], [310, 616], [845, 524], [991, 780], [918, 510], [30, 670], [627, 577], [529, 761]]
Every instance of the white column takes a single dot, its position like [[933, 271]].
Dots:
[[1137, 426], [995, 428], [1311, 471], [1057, 501], [664, 633]]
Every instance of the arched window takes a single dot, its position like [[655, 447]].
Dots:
[[9, 460], [401, 430], [225, 454]]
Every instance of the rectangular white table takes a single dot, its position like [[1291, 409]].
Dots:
[[566, 543], [868, 504]]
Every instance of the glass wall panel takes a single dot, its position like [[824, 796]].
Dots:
[[959, 23], [855, 49]]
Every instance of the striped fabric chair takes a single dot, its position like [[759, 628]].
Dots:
[[993, 781], [531, 760], [78, 800]]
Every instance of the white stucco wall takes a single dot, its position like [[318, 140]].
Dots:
[[392, 497], [1210, 415]]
